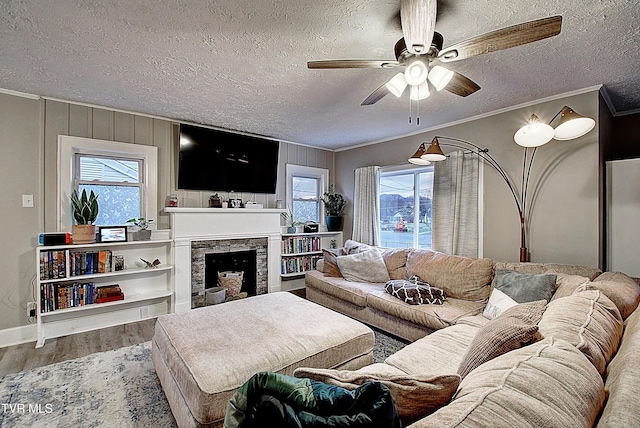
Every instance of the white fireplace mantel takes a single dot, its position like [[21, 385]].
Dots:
[[198, 224]]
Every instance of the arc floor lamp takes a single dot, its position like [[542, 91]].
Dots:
[[533, 135]]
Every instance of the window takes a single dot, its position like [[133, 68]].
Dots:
[[405, 207], [123, 175], [305, 186], [118, 183]]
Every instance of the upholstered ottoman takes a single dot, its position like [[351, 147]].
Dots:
[[202, 356]]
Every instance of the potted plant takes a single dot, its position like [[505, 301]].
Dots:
[[333, 205], [85, 212], [142, 231], [290, 222]]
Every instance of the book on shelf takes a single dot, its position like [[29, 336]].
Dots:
[[63, 296], [299, 244], [109, 293], [299, 264], [90, 262], [53, 264]]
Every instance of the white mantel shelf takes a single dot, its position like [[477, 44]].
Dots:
[[185, 210]]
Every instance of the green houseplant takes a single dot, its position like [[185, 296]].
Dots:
[[290, 222], [142, 231], [334, 203], [85, 211]]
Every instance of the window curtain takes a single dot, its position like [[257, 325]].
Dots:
[[366, 213], [455, 205]]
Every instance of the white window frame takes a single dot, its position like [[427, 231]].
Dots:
[[321, 174], [69, 146]]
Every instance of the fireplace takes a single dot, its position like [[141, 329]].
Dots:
[[242, 263], [209, 257]]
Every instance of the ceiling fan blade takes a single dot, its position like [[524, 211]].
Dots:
[[504, 38], [461, 85], [418, 18], [352, 63], [376, 95]]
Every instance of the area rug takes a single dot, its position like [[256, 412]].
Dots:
[[108, 389]]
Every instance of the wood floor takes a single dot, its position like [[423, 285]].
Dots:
[[25, 356]]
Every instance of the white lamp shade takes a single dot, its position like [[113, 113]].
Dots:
[[416, 73], [533, 134], [574, 128], [440, 77], [397, 84], [420, 92], [419, 161]]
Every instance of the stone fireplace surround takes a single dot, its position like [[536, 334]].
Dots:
[[191, 225]]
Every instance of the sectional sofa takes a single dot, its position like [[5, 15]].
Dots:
[[568, 359]]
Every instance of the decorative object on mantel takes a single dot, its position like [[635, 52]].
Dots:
[[85, 212], [433, 153], [215, 201], [141, 231], [333, 204], [290, 222]]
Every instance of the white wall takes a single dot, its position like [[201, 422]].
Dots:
[[564, 222]]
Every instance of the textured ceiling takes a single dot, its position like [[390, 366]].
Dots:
[[241, 65]]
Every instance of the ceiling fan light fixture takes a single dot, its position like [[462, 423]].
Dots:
[[416, 73], [397, 84], [420, 92], [534, 134], [440, 77], [417, 159], [572, 125], [434, 153]]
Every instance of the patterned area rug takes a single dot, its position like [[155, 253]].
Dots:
[[108, 389]]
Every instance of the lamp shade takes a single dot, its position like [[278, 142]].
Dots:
[[572, 125], [533, 134], [397, 84], [416, 159], [440, 77], [434, 152], [419, 92], [416, 73]]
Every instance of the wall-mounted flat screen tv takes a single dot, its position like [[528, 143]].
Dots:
[[225, 161]]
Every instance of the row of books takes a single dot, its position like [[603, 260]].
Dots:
[[299, 264], [300, 244], [53, 264], [61, 296]]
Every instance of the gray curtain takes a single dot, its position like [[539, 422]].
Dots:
[[455, 205], [366, 213]]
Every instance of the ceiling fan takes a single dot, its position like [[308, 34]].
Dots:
[[421, 49]]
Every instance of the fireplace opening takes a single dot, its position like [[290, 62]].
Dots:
[[232, 266]]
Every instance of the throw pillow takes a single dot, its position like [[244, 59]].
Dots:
[[498, 303], [331, 263], [514, 329], [414, 396], [525, 287], [415, 292], [354, 247], [367, 266]]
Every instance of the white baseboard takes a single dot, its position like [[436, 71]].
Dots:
[[18, 335]]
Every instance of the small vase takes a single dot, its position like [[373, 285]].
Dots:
[[144, 235], [84, 233]]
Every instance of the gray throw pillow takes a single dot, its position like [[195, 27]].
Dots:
[[367, 266], [525, 287]]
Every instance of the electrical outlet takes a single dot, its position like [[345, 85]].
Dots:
[[31, 309]]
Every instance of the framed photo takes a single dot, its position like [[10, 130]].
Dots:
[[113, 234]]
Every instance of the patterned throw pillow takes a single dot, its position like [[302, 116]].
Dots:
[[331, 261], [415, 292]]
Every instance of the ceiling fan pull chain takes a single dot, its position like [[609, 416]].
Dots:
[[409, 110]]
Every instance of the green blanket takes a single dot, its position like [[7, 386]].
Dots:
[[270, 399]]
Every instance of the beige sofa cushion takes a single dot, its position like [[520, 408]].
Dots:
[[623, 290], [567, 284], [515, 328], [396, 261], [431, 316], [352, 292], [517, 390], [589, 321], [439, 353], [414, 396], [623, 380], [460, 277], [550, 268], [366, 266]]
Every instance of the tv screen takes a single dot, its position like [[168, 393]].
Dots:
[[224, 161]]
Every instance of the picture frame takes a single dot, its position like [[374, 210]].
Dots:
[[113, 233]]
